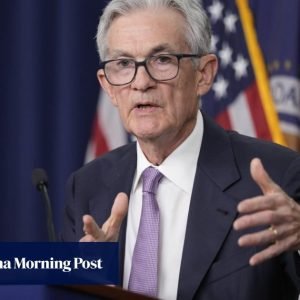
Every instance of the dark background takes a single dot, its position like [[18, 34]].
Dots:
[[48, 96]]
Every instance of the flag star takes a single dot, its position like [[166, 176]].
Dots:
[[215, 11], [220, 87], [240, 67], [214, 42], [225, 54], [229, 22]]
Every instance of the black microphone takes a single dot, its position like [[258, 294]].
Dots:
[[40, 181]]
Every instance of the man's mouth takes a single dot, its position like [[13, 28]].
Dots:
[[145, 106]]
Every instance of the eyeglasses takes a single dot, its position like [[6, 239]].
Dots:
[[162, 67]]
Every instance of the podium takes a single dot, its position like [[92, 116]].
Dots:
[[108, 292], [74, 292]]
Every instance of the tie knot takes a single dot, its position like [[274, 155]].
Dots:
[[151, 178]]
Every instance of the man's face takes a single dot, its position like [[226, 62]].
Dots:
[[150, 109]]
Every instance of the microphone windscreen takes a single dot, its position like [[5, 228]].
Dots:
[[39, 176]]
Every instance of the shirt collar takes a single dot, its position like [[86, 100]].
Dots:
[[180, 166]]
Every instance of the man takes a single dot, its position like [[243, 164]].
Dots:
[[225, 229]]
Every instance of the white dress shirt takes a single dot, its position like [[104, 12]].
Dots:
[[173, 197]]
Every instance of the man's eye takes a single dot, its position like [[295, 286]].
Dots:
[[163, 59], [123, 63]]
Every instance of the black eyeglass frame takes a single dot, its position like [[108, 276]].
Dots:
[[179, 56]]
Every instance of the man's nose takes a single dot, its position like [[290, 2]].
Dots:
[[142, 80]]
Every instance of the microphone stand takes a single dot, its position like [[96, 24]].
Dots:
[[50, 226]]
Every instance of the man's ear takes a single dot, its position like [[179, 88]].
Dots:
[[107, 87], [207, 69]]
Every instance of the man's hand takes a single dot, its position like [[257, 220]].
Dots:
[[274, 209], [109, 232]]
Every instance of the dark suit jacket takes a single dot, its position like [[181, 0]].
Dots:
[[213, 265]]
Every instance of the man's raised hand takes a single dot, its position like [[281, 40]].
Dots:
[[109, 232], [274, 209]]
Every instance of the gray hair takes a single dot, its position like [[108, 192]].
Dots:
[[198, 30]]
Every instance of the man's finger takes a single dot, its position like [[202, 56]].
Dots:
[[118, 212], [120, 207], [259, 203], [90, 227], [261, 177], [87, 239], [272, 251], [260, 238], [257, 219]]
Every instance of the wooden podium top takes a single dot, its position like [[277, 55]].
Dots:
[[108, 292]]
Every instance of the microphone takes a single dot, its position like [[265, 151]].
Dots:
[[40, 181]]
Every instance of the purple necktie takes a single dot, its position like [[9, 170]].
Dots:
[[144, 269]]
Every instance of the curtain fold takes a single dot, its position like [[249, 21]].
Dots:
[[48, 90]]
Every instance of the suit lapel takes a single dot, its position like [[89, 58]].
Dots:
[[211, 212], [118, 178], [126, 171]]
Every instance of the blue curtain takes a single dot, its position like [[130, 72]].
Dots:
[[48, 90]]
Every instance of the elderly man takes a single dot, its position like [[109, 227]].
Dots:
[[194, 207]]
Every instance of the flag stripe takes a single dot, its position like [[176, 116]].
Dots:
[[97, 144], [255, 106], [110, 123], [224, 120], [240, 115], [107, 132]]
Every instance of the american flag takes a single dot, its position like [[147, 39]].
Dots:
[[240, 98]]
